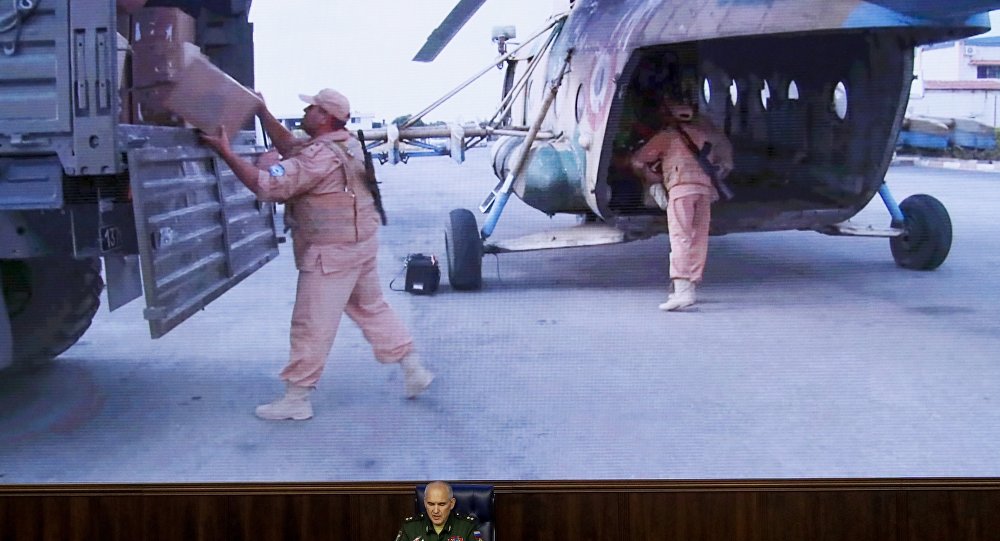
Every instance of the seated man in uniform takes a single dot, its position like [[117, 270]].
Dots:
[[439, 523]]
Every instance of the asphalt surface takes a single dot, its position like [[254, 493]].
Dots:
[[808, 357]]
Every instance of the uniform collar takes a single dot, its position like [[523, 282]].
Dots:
[[429, 527], [338, 136]]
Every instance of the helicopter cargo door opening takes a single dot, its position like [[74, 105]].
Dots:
[[812, 119]]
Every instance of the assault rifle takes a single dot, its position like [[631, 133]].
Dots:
[[370, 179], [725, 192]]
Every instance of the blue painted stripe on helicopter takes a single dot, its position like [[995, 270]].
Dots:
[[982, 19], [872, 16], [868, 15]]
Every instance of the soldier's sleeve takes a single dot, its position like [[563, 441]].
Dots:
[[471, 531], [477, 534], [297, 175], [406, 530]]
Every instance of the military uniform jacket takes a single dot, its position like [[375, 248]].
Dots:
[[327, 203], [682, 174], [457, 528]]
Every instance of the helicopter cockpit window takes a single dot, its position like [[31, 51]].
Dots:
[[706, 91], [765, 96], [840, 100], [734, 92], [793, 91]]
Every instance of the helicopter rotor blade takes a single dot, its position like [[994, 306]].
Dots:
[[443, 34]]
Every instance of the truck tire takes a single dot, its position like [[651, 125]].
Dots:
[[51, 303]]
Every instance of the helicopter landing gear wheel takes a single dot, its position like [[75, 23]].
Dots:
[[464, 248], [926, 239]]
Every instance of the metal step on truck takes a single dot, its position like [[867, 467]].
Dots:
[[95, 199]]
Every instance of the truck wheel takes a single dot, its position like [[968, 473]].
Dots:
[[51, 302], [465, 250], [926, 239]]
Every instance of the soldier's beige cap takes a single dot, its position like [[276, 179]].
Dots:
[[331, 101]]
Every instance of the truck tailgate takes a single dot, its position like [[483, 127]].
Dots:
[[200, 230]]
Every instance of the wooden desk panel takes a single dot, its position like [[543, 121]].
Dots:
[[849, 510]]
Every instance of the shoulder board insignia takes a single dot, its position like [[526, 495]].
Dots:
[[413, 518]]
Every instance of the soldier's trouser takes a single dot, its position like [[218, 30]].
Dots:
[[319, 302], [688, 219]]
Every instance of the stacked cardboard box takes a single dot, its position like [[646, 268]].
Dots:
[[158, 38], [174, 84], [207, 98]]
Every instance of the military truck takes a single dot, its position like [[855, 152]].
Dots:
[[90, 200]]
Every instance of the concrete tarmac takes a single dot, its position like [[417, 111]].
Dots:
[[808, 357]]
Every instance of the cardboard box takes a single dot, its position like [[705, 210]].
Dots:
[[162, 24], [148, 107], [206, 97], [123, 50], [158, 38]]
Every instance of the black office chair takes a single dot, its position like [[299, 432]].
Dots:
[[476, 500]]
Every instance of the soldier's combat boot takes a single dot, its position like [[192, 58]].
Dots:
[[682, 297], [294, 405], [416, 378]]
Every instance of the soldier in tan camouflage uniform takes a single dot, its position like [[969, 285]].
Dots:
[[334, 226], [680, 185]]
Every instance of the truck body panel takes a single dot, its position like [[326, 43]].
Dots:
[[169, 219]]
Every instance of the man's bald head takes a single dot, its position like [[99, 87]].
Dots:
[[442, 486], [438, 501]]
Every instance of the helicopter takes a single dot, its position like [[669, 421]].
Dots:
[[811, 94]]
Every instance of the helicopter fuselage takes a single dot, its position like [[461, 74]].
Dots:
[[811, 94]]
